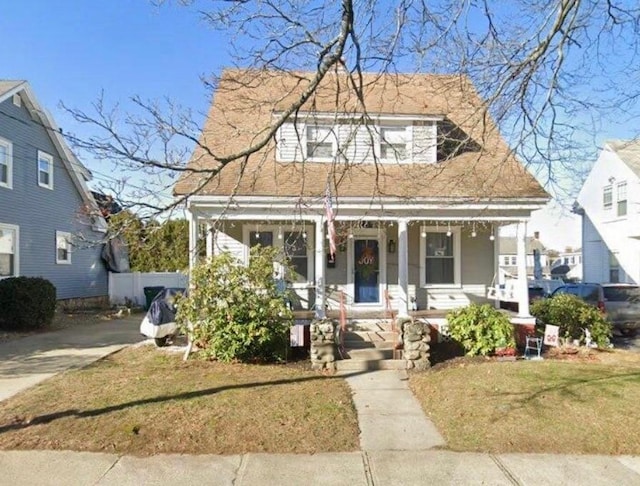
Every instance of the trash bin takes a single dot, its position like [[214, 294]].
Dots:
[[150, 294]]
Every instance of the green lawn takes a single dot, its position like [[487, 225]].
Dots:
[[145, 401], [582, 406]]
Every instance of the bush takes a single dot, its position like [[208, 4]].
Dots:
[[235, 310], [572, 315], [481, 329], [26, 303]]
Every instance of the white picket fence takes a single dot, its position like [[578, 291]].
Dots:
[[125, 287]]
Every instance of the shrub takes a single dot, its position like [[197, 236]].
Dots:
[[481, 329], [235, 310], [572, 315], [26, 303]]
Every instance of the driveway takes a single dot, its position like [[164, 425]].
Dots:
[[30, 360]]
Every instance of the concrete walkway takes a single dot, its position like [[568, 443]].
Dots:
[[27, 361], [389, 415]]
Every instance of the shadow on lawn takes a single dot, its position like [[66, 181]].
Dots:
[[45, 419], [566, 388]]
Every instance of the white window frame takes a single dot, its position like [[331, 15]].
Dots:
[[68, 238], [622, 191], [607, 205], [17, 100], [330, 137], [407, 138], [49, 159], [247, 229], [456, 234], [16, 247], [8, 163]]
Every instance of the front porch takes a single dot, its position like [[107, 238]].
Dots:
[[443, 259]]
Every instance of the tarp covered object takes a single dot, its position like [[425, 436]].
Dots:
[[160, 320]]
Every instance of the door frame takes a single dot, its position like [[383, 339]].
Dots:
[[380, 235]]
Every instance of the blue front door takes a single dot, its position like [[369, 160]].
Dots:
[[367, 271]]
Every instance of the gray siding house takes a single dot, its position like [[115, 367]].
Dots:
[[49, 223]]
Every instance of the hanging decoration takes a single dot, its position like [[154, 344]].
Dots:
[[366, 263]]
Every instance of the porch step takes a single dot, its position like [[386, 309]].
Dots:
[[368, 344], [370, 365], [369, 354], [370, 336], [369, 325]]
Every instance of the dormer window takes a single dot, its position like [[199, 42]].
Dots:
[[321, 143], [393, 143]]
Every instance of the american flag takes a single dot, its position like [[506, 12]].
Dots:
[[328, 207]]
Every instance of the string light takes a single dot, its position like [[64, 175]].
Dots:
[[279, 232], [473, 231], [449, 233], [424, 233], [493, 236]]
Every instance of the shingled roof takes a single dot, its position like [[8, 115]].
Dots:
[[628, 151], [243, 109]]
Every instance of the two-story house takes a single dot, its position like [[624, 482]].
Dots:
[[410, 169], [49, 223], [608, 203]]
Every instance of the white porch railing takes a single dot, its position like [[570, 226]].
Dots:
[[130, 286]]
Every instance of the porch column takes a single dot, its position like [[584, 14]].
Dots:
[[319, 269], [523, 288], [403, 268], [193, 239], [497, 274], [209, 241]]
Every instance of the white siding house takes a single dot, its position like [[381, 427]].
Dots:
[[608, 203]]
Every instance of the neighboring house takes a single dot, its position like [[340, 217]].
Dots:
[[508, 256], [49, 223], [608, 203], [419, 186], [572, 259]]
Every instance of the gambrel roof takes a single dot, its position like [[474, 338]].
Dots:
[[246, 103]]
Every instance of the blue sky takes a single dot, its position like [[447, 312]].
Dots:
[[71, 50]]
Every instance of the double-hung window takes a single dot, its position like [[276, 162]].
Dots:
[[295, 248], [622, 198], [45, 170], [607, 198], [9, 246], [63, 247], [321, 143], [393, 143], [6, 163], [440, 257]]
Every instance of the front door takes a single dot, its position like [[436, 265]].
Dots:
[[366, 255]]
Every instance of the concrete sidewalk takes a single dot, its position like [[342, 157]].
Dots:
[[405, 468], [27, 361]]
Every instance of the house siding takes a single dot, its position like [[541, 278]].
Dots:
[[603, 230], [357, 141], [40, 212]]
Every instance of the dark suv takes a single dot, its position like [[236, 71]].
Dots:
[[623, 307], [591, 293]]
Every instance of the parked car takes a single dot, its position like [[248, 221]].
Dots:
[[622, 302], [592, 293]]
